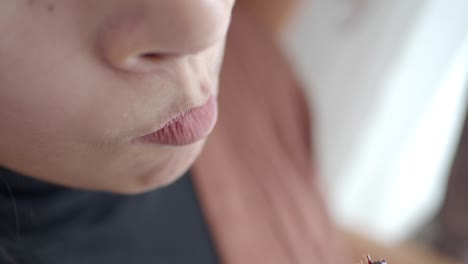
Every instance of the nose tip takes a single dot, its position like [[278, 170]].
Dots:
[[158, 29]]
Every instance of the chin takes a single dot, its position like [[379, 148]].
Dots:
[[164, 174]]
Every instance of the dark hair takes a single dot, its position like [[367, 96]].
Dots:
[[5, 257]]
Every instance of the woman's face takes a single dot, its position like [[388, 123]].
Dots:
[[113, 95]]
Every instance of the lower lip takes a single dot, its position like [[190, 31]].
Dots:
[[187, 128]]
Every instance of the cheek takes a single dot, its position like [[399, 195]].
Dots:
[[35, 134], [36, 98], [36, 106], [45, 109], [216, 58]]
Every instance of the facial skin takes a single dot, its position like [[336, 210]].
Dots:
[[80, 78]]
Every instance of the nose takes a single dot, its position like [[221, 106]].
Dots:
[[149, 31]]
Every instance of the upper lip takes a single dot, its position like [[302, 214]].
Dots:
[[173, 115], [177, 116]]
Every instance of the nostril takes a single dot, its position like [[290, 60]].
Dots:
[[153, 57], [145, 61]]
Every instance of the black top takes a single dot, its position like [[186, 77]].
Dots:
[[42, 223]]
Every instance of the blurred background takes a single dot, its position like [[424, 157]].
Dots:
[[387, 83]]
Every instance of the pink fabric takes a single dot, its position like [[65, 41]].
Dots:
[[255, 178]]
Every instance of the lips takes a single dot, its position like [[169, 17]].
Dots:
[[186, 128]]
